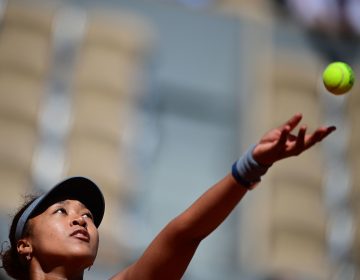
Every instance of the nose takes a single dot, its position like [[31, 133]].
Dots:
[[80, 221]]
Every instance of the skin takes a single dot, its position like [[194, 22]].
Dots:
[[63, 241], [169, 254]]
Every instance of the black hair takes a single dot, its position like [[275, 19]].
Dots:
[[11, 260]]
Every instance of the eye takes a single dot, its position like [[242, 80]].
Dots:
[[60, 210], [88, 215]]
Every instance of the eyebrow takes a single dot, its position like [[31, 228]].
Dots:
[[66, 201]]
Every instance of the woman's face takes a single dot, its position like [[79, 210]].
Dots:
[[64, 232]]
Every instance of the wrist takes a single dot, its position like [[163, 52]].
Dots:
[[247, 171], [259, 157]]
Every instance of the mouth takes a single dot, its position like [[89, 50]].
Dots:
[[81, 234]]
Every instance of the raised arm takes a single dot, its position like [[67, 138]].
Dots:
[[168, 256]]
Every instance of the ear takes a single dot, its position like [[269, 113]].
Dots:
[[24, 247]]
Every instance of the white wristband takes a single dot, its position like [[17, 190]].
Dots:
[[247, 171]]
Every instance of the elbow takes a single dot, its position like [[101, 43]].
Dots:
[[184, 230]]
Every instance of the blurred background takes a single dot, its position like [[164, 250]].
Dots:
[[155, 99]]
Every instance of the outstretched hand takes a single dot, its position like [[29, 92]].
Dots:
[[280, 143]]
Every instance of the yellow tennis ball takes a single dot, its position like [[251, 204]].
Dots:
[[338, 78]]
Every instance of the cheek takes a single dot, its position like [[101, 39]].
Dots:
[[95, 238], [55, 232], [48, 235]]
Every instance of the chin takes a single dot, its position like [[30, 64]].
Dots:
[[84, 254], [83, 260]]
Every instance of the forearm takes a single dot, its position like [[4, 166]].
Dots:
[[168, 256], [212, 208], [209, 210]]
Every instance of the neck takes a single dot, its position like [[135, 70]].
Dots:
[[36, 272], [40, 275]]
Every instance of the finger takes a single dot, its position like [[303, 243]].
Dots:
[[292, 122], [283, 136], [325, 132], [318, 135], [300, 141]]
